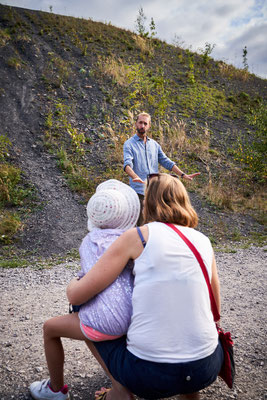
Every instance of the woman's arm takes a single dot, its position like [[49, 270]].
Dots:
[[215, 284], [107, 269]]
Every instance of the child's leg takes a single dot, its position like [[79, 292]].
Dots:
[[54, 329], [68, 326]]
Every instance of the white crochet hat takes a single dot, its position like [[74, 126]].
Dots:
[[114, 205]]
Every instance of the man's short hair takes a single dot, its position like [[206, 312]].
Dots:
[[143, 114]]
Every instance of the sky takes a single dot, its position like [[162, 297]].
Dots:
[[230, 25]]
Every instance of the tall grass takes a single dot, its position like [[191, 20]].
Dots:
[[144, 45]]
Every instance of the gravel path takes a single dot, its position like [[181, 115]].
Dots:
[[31, 295]]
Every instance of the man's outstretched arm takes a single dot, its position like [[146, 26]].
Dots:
[[180, 173], [129, 171]]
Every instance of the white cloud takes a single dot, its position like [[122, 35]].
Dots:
[[255, 40]]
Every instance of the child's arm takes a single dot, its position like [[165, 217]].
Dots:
[[107, 269]]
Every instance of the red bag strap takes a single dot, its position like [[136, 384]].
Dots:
[[214, 309]]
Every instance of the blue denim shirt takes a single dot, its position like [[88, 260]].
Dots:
[[144, 159]]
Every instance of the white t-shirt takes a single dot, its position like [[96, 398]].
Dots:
[[172, 320]]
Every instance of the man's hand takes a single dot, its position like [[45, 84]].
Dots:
[[190, 177], [133, 175], [137, 179]]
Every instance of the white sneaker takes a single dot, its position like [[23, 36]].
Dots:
[[41, 391]]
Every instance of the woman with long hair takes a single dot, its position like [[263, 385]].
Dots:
[[172, 344]]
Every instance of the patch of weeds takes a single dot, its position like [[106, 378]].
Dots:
[[9, 178], [57, 70], [244, 245], [231, 72], [244, 97], [191, 69], [84, 50], [23, 37], [78, 177], [203, 101], [258, 119], [14, 263], [10, 225], [13, 194], [216, 195], [142, 87], [214, 152], [15, 62], [115, 173], [258, 205], [73, 253], [40, 266], [69, 157], [12, 191], [231, 251], [236, 235], [177, 143], [114, 68], [258, 239], [58, 123], [225, 250], [5, 144], [144, 45], [213, 239], [251, 150], [4, 37]]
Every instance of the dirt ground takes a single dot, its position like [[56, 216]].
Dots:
[[29, 296]]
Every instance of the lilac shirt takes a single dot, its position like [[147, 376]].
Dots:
[[110, 311]]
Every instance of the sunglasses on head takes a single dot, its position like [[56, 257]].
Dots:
[[157, 175]]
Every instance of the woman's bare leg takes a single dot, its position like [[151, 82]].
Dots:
[[54, 329], [118, 392]]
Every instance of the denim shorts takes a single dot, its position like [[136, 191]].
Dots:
[[152, 380]]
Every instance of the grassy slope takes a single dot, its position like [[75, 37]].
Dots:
[[88, 81]]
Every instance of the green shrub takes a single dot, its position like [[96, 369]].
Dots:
[[12, 193], [4, 146], [251, 150], [9, 178], [10, 224], [4, 37]]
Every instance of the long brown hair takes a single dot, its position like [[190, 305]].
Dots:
[[166, 200]]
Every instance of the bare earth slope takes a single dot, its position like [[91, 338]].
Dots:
[[30, 296]]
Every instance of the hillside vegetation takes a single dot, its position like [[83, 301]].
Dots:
[[70, 90]]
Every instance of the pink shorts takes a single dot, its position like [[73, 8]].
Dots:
[[96, 336]]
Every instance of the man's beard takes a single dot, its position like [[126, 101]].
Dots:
[[141, 131]]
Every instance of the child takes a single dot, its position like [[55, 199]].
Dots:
[[113, 209]]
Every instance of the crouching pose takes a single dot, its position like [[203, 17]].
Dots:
[[172, 344]]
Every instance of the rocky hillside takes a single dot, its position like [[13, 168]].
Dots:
[[69, 90]]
